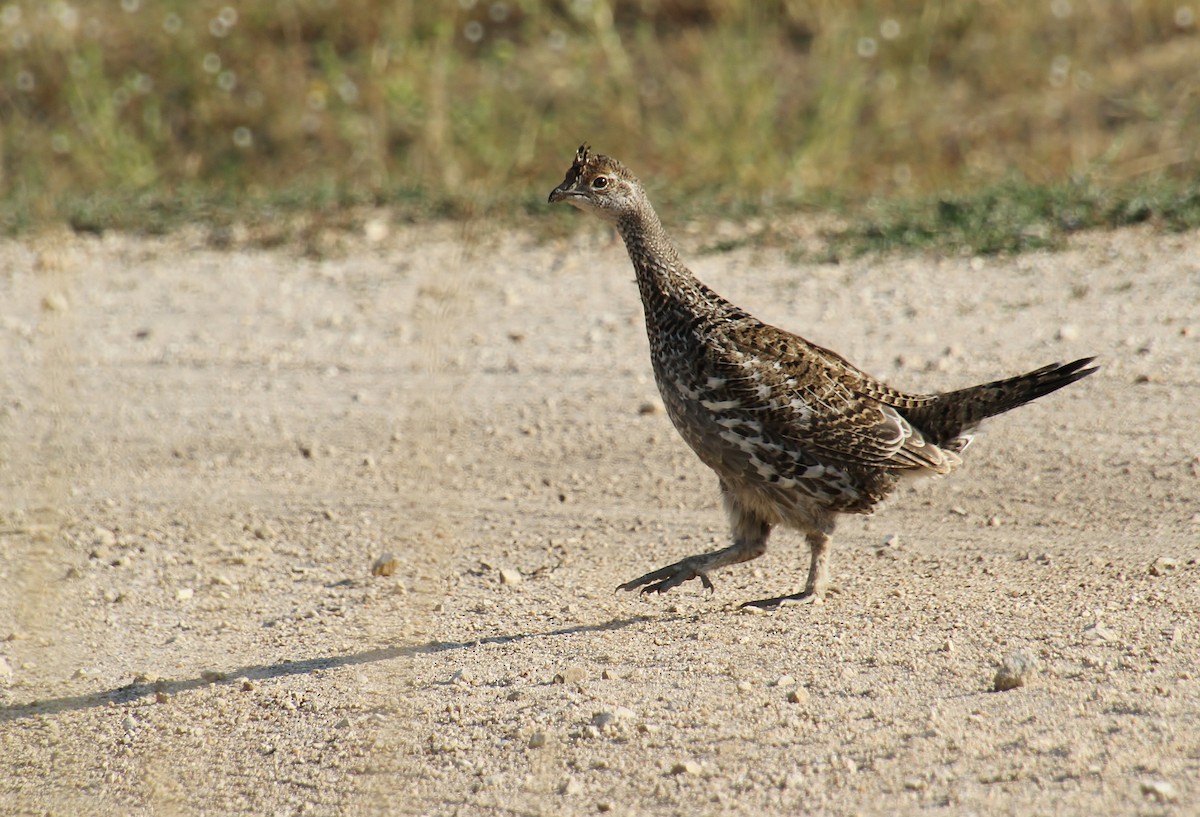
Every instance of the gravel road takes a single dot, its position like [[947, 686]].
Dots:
[[331, 536]]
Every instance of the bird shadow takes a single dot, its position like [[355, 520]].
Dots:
[[261, 672]]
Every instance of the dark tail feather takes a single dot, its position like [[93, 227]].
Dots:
[[957, 412]]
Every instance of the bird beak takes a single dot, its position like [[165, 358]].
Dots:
[[563, 191]]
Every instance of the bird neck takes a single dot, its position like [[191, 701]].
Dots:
[[665, 283]]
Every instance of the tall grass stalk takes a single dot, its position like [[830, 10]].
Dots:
[[476, 104]]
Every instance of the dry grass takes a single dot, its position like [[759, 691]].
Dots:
[[135, 109]]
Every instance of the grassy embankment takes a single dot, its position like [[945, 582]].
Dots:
[[986, 125]]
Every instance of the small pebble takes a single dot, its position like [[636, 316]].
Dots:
[[463, 676], [55, 302], [649, 407], [570, 787], [385, 565], [571, 675], [510, 577], [745, 686], [1015, 670], [184, 594], [609, 717], [784, 681], [799, 695], [537, 740], [1163, 566], [375, 230], [686, 767], [1161, 790], [212, 675]]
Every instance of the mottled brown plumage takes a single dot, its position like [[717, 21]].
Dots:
[[795, 433]]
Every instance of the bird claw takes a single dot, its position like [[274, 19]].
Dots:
[[804, 597], [669, 577]]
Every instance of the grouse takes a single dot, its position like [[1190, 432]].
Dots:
[[795, 433]]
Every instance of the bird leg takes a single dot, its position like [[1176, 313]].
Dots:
[[817, 585], [750, 534]]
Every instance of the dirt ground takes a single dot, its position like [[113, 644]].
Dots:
[[204, 452]]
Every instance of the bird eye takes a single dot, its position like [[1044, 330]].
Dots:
[[599, 183]]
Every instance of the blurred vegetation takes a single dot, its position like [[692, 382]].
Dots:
[[919, 118]]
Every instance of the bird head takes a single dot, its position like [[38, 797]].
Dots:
[[598, 184]]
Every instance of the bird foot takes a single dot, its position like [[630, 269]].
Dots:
[[805, 597], [666, 578]]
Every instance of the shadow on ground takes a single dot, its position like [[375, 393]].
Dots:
[[260, 672]]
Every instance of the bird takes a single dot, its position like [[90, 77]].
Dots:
[[796, 434]]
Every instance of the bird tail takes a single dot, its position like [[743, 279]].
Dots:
[[954, 414]]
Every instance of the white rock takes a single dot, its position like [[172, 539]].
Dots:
[[1015, 670], [375, 230], [385, 565], [610, 717], [1161, 790], [571, 675], [799, 695], [1163, 566]]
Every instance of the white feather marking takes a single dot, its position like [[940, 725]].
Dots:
[[801, 407], [721, 405], [764, 469], [689, 393]]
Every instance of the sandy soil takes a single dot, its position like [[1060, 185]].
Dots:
[[205, 451]]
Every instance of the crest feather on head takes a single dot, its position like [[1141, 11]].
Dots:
[[582, 157]]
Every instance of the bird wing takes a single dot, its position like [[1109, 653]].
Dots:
[[812, 397]]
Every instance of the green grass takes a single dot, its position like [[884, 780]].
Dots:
[[1013, 216], [953, 123]]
